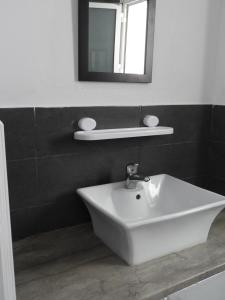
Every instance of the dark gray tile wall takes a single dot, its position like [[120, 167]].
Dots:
[[217, 150], [46, 166]]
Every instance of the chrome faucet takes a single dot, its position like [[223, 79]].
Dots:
[[133, 177]]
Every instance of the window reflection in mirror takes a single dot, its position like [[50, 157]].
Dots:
[[117, 36]]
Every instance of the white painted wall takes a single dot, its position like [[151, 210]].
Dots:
[[218, 75], [37, 58]]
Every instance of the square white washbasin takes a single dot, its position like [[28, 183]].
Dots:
[[159, 217]]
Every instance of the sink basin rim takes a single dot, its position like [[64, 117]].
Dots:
[[143, 222]]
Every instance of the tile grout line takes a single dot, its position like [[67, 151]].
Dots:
[[77, 153], [139, 142], [36, 153]]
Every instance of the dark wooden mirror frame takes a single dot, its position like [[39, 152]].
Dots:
[[85, 75]]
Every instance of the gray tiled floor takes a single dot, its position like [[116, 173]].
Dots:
[[71, 264]]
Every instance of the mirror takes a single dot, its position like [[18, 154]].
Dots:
[[116, 40]]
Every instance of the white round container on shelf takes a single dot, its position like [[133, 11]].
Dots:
[[151, 121], [87, 124]]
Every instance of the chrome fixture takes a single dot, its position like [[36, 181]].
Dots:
[[133, 177]]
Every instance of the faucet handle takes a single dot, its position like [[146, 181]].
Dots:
[[132, 168]]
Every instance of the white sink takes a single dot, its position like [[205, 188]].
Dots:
[[159, 217]]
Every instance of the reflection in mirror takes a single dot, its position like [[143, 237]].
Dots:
[[117, 36]]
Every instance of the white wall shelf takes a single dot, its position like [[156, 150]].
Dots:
[[108, 134]]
